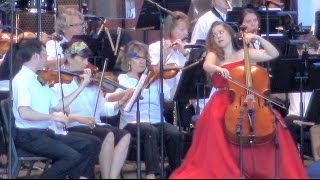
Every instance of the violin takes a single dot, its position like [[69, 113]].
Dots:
[[109, 81], [5, 39], [51, 77], [170, 70]]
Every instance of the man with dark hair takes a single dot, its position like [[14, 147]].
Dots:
[[39, 122]]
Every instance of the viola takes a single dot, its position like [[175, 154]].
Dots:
[[109, 81], [169, 71], [51, 77]]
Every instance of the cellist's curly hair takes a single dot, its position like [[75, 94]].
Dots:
[[212, 46]]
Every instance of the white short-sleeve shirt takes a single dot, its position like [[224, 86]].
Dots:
[[149, 106], [203, 25], [28, 91], [173, 57], [85, 102], [54, 49]]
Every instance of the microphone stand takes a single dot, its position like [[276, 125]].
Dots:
[[12, 9], [161, 81], [39, 19], [138, 139], [302, 77]]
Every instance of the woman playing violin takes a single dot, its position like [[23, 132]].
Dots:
[[149, 111], [211, 154], [115, 141]]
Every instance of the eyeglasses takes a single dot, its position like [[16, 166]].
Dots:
[[219, 33], [77, 25], [139, 58]]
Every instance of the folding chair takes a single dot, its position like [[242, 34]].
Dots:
[[19, 156]]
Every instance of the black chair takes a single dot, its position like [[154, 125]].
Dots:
[[19, 156]]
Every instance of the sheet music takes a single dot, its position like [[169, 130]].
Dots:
[[137, 91]]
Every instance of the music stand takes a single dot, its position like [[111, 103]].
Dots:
[[151, 17], [193, 83], [284, 71], [295, 74]]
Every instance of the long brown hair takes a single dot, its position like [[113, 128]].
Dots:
[[212, 46]]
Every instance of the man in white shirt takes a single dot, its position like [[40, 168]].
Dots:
[[39, 123], [217, 13]]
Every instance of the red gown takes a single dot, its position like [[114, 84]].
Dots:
[[211, 155]]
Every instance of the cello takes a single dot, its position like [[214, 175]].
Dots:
[[249, 118]]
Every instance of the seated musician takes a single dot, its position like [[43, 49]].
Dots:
[[134, 61], [175, 37], [311, 46], [213, 154], [250, 22], [115, 141], [39, 121], [69, 22]]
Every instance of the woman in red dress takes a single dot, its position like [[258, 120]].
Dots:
[[211, 154]]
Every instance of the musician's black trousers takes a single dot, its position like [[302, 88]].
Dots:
[[73, 155], [150, 144]]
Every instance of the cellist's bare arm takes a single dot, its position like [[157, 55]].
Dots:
[[268, 52], [210, 66]]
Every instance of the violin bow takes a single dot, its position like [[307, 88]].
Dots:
[[99, 87], [59, 77]]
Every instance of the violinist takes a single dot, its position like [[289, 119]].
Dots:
[[69, 22], [212, 155], [115, 141], [149, 108], [175, 36], [39, 121]]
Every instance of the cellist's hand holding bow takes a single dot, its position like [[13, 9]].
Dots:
[[223, 72]]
